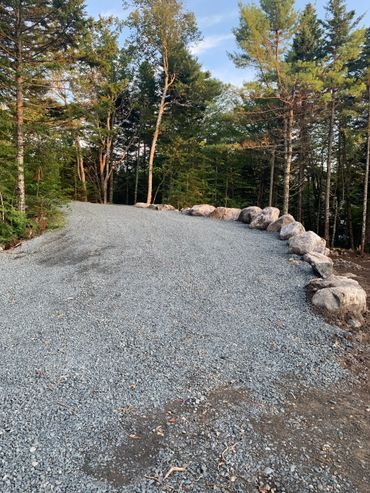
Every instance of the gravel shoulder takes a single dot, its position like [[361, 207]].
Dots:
[[134, 341]]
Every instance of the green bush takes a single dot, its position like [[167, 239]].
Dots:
[[13, 225]]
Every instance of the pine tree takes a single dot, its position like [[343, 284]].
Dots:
[[343, 44], [308, 41], [306, 64], [364, 67], [35, 35], [263, 37]]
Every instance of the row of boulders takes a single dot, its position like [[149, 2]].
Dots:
[[341, 296], [300, 241], [205, 210], [156, 207]]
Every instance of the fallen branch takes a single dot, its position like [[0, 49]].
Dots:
[[174, 469]]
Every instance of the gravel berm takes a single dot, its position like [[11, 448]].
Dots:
[[134, 341]]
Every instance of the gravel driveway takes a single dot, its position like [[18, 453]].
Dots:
[[152, 352]]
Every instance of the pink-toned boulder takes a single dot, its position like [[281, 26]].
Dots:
[[248, 214], [204, 210], [141, 205], [293, 229], [266, 217], [306, 243], [276, 226], [225, 213], [166, 207]]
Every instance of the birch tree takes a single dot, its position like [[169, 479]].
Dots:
[[160, 28]]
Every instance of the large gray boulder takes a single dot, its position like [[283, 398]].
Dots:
[[348, 302], [321, 264], [293, 229], [248, 214], [306, 243], [331, 282], [266, 217], [340, 296], [204, 210], [225, 213], [276, 226]]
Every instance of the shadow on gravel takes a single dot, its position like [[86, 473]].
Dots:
[[65, 253]]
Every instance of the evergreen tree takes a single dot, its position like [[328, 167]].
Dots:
[[364, 72], [263, 37], [35, 37], [343, 44], [306, 62]]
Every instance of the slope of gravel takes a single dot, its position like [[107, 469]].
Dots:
[[133, 341]]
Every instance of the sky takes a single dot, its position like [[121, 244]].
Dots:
[[216, 20]]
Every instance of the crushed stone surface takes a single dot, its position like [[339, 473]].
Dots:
[[142, 351]]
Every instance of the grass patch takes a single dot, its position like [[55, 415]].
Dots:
[[56, 220], [16, 226]]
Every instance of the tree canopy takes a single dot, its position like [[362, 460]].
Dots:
[[120, 110]]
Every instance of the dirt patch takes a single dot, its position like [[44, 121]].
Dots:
[[146, 435], [357, 358], [319, 441], [136, 454], [332, 429]]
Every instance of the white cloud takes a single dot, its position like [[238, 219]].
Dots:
[[210, 42], [212, 20]]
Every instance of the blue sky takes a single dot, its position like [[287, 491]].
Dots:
[[216, 19]]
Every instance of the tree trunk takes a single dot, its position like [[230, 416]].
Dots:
[[319, 186], [104, 192], [288, 127], [334, 232], [155, 139], [21, 194], [347, 184], [272, 174], [226, 190], [367, 236], [81, 168], [103, 183], [111, 188], [302, 162], [366, 184], [328, 174], [337, 203], [137, 172]]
